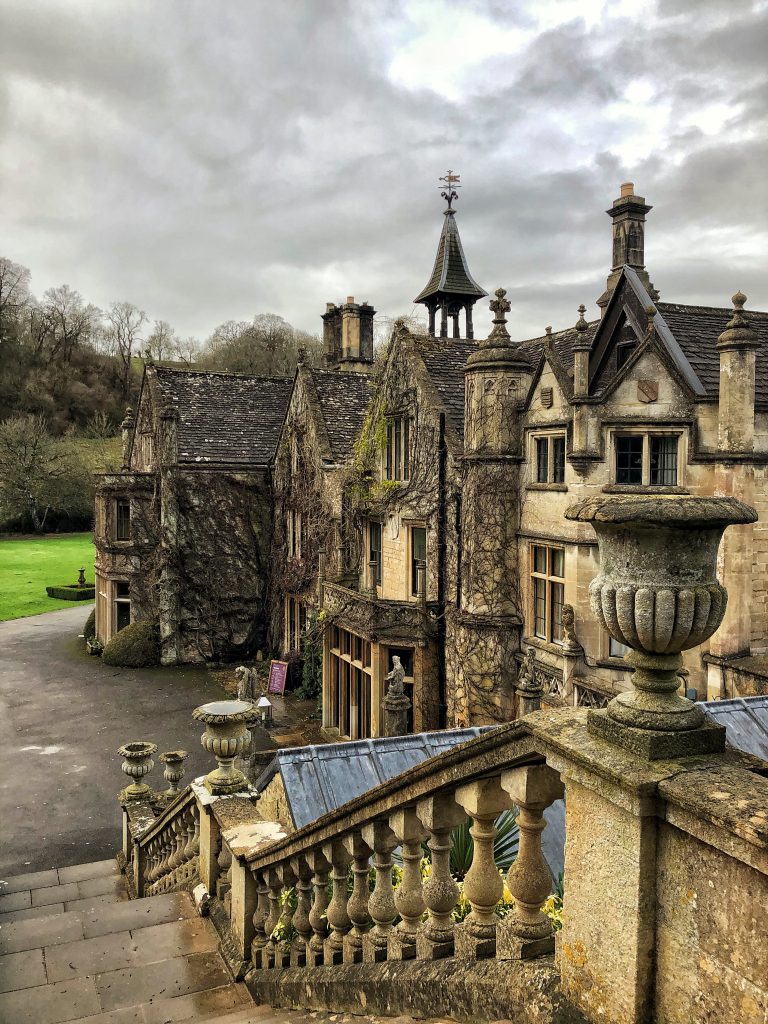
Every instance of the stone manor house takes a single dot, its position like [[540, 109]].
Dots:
[[412, 506]]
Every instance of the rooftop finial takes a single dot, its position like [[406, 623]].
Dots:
[[581, 323], [738, 332], [449, 192], [499, 307]]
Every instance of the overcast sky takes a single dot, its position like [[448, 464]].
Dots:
[[211, 160]]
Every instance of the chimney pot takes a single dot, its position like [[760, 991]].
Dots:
[[627, 189], [350, 299]]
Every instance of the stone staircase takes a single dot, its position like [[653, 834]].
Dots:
[[74, 948]]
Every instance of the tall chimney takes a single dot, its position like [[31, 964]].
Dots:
[[628, 216]]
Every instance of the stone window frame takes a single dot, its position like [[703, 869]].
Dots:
[[146, 448], [412, 581], [119, 599], [549, 437], [371, 526], [552, 586], [345, 668], [397, 455], [121, 502], [294, 622], [647, 434], [294, 531]]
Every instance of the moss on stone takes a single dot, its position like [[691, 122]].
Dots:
[[136, 646]]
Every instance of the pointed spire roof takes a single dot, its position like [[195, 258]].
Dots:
[[450, 275]]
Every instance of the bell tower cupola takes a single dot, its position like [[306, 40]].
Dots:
[[451, 289]]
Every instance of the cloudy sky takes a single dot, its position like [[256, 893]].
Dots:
[[211, 160]]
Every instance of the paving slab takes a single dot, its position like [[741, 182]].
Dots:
[[22, 970], [91, 956], [50, 1004], [163, 941], [93, 902], [55, 894], [29, 913], [126, 1015], [30, 880], [93, 869], [108, 885], [63, 786], [40, 931], [117, 917], [196, 1004], [15, 901], [132, 985]]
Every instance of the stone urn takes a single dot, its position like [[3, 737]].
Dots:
[[137, 762], [226, 737], [174, 770], [657, 592]]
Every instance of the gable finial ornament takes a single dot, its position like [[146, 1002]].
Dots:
[[738, 331], [548, 331], [581, 323], [448, 192], [500, 306]]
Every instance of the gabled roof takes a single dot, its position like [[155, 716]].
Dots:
[[343, 397], [445, 359], [697, 329], [560, 345], [450, 275], [225, 417]]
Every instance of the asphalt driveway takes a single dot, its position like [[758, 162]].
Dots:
[[62, 717]]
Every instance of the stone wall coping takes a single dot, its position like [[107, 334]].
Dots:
[[249, 837]]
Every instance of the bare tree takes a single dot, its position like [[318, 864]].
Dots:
[[186, 350], [65, 322], [38, 473], [124, 325], [267, 345], [162, 340], [14, 294]]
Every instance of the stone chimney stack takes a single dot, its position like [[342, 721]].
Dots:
[[628, 216], [348, 335], [126, 430], [736, 411]]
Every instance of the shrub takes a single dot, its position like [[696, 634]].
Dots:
[[136, 646], [89, 629], [72, 592]]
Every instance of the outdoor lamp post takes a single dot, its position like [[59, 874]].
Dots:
[[265, 710]]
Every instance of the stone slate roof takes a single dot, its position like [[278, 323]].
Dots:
[[445, 359], [344, 398], [450, 275], [318, 779], [562, 342], [225, 417], [697, 328]]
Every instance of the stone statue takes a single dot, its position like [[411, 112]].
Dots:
[[568, 620], [396, 704], [395, 678], [247, 681], [527, 675], [529, 688]]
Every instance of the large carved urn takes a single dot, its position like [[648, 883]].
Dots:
[[226, 736], [657, 592]]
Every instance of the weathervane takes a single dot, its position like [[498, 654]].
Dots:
[[449, 193]]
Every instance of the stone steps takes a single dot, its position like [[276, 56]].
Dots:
[[67, 956]]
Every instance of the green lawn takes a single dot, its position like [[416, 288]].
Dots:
[[29, 565]]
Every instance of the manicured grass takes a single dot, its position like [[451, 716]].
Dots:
[[28, 565]]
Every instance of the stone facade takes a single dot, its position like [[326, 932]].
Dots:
[[184, 532]]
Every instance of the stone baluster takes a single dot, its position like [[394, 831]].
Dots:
[[381, 903], [196, 836], [260, 916], [321, 869], [439, 814], [287, 910], [224, 881], [337, 915], [527, 931], [179, 840], [152, 861], [301, 922], [409, 895], [274, 892], [190, 821], [483, 801], [357, 904]]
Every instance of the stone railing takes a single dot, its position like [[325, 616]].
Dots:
[[170, 848], [364, 612]]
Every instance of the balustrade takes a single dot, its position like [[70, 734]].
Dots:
[[338, 917], [301, 921], [409, 895], [321, 869], [439, 814], [380, 838]]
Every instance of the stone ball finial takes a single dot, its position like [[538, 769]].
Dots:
[[548, 331], [581, 323], [738, 333], [301, 355]]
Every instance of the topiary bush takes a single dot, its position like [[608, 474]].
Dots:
[[89, 629], [136, 646], [72, 592]]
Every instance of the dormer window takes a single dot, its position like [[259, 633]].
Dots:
[[623, 351], [397, 464]]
